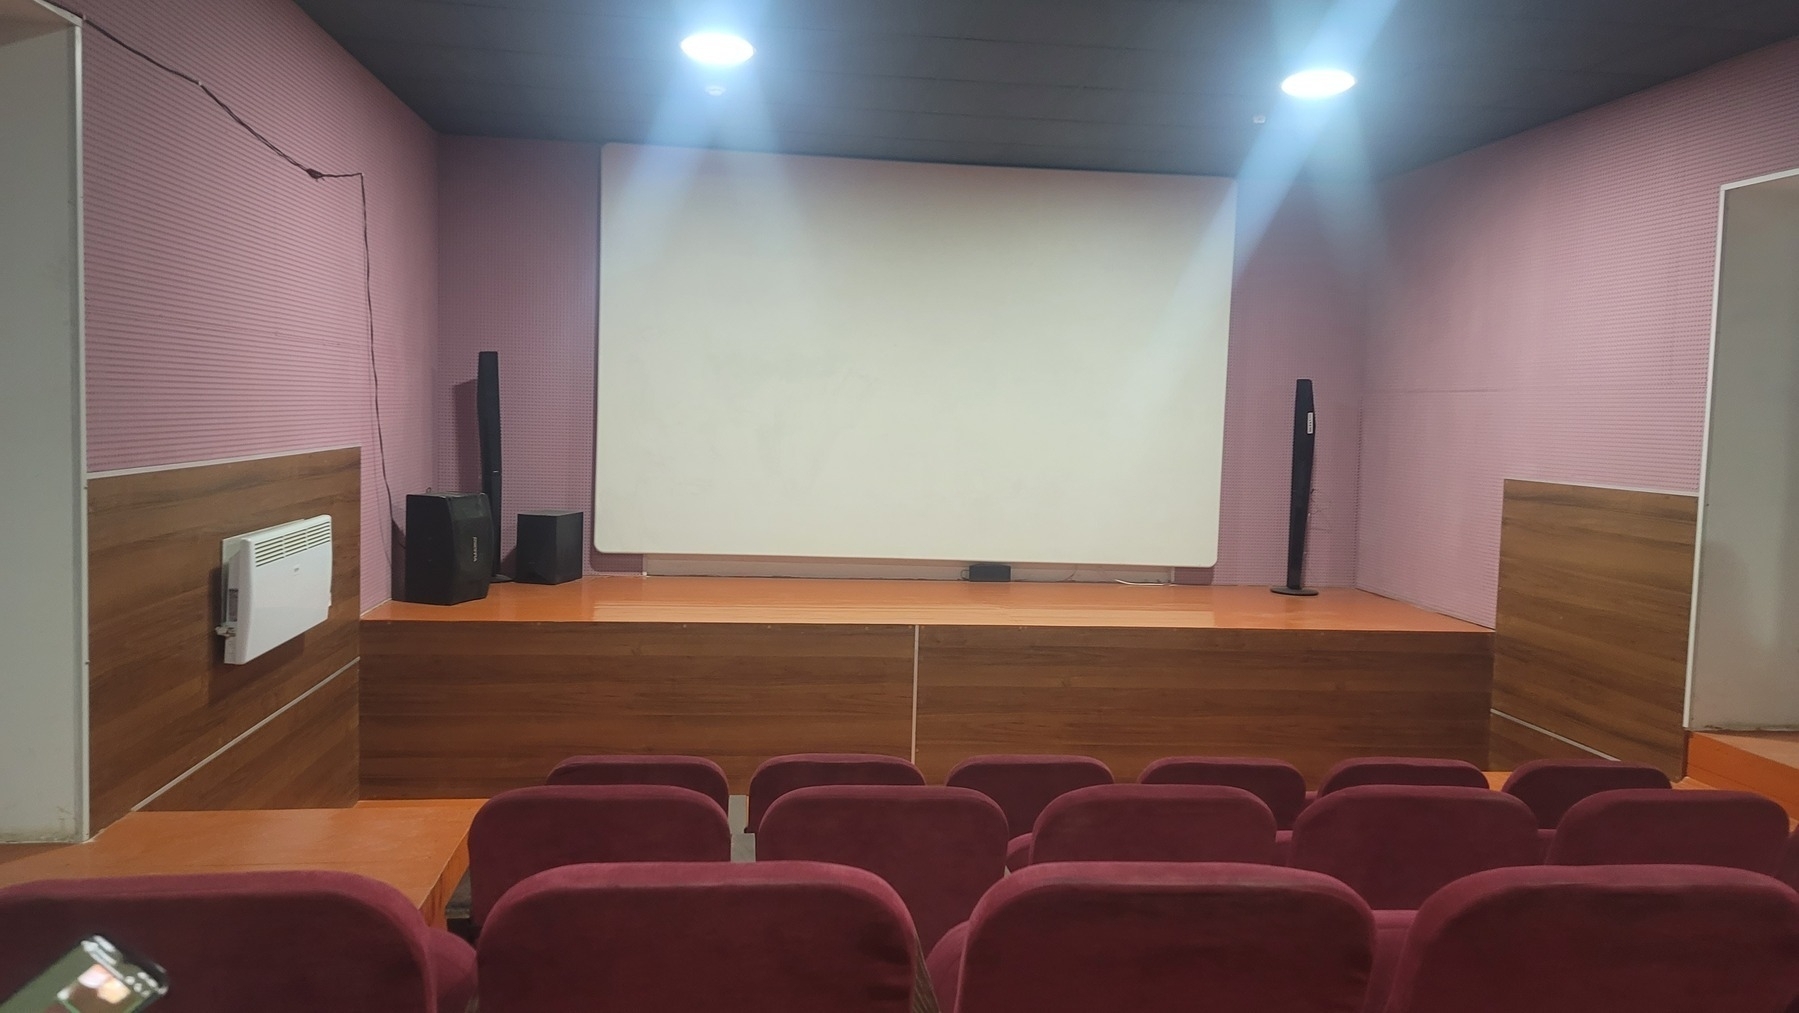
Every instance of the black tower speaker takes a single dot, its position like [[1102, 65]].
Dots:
[[487, 421], [1305, 434], [549, 547], [449, 547]]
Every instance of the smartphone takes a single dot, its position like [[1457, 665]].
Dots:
[[94, 977]]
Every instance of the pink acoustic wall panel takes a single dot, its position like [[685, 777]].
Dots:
[[225, 297], [1545, 313], [1296, 311], [518, 261]]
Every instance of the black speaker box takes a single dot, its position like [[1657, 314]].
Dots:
[[487, 428], [549, 547], [1299, 497], [449, 547]]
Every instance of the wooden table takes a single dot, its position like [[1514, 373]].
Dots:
[[419, 847]]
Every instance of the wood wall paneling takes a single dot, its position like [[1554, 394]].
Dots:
[[1511, 743], [1594, 591], [305, 758], [1129, 696], [453, 709], [161, 698]]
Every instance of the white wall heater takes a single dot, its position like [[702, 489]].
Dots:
[[277, 585]]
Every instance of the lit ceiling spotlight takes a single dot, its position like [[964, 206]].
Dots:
[[717, 49], [1320, 82], [715, 90]]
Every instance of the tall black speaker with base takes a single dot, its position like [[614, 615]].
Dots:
[[449, 547], [1299, 506], [487, 421]]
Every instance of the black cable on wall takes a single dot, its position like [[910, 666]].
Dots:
[[362, 189]]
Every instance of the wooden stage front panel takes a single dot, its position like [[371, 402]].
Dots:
[[473, 699], [1130, 696], [454, 709]]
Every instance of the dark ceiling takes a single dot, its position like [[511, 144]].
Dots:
[[1143, 85]]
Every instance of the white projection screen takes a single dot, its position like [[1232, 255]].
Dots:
[[830, 357]]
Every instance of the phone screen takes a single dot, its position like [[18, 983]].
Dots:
[[94, 977]]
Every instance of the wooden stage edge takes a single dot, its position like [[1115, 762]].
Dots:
[[420, 848], [1766, 763], [641, 599], [468, 700]]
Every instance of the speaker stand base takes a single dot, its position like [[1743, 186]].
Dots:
[[1297, 592], [500, 578]]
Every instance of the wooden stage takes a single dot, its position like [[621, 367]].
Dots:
[[467, 700], [420, 848]]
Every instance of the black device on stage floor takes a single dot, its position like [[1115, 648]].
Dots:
[[1299, 505], [450, 545], [549, 547], [989, 573]]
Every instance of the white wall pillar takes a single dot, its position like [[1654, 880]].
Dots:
[[43, 540]]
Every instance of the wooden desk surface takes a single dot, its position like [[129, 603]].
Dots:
[[634, 599], [420, 847]]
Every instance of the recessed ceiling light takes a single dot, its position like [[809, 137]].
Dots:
[[1319, 82], [715, 90], [717, 49]]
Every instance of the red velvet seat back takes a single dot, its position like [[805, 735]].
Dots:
[[522, 832], [1733, 829], [1632, 939], [939, 848], [695, 773], [763, 937], [1151, 937], [1024, 783], [271, 942], [1398, 844], [782, 774], [1277, 783], [1155, 823], [1363, 770], [1551, 787], [1788, 872]]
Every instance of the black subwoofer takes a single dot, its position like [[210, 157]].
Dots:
[[549, 547]]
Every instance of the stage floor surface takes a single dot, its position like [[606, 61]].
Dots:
[[637, 599]]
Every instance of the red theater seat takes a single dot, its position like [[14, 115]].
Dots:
[[1631, 939], [1153, 937], [766, 937], [939, 848], [695, 773], [1733, 829], [1398, 844], [522, 832], [1155, 823], [1024, 783], [1277, 783], [272, 942], [1366, 770], [1551, 787], [1018, 852], [778, 776]]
